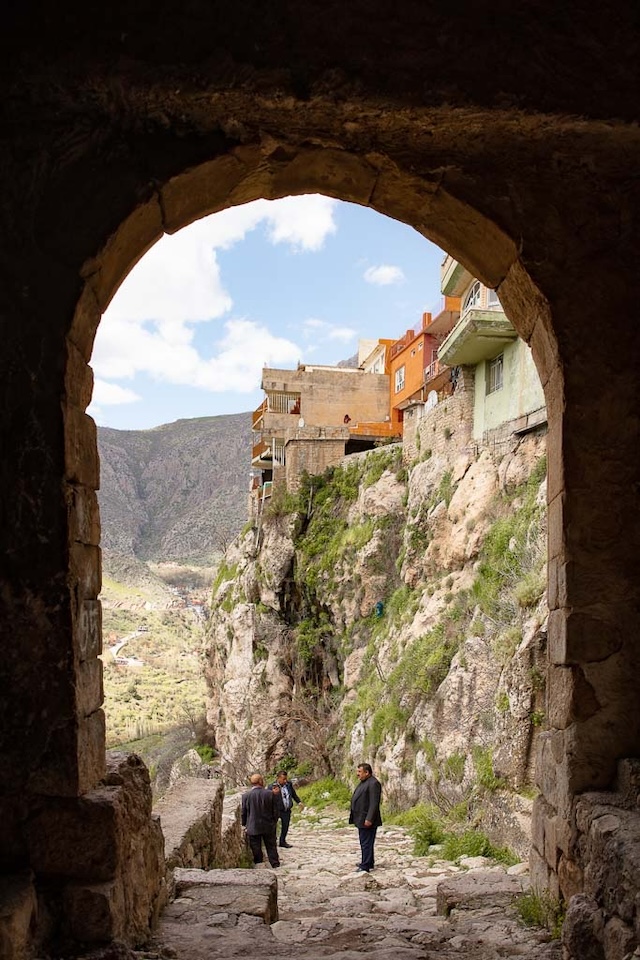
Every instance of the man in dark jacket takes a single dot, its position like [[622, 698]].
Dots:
[[287, 796], [365, 814], [259, 817]]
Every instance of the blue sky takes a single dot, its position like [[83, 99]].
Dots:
[[266, 283]]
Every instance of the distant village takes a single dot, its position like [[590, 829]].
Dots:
[[464, 365]]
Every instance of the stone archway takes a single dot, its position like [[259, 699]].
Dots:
[[539, 205]]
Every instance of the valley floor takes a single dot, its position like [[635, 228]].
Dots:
[[408, 907]]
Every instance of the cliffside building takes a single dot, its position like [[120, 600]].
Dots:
[[508, 395], [479, 352], [314, 415], [414, 368]]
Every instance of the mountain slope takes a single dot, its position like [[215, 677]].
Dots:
[[176, 492]]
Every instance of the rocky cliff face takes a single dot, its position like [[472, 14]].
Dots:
[[393, 612]]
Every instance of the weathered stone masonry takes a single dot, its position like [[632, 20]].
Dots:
[[120, 125]]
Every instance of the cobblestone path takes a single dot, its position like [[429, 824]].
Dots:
[[408, 907]]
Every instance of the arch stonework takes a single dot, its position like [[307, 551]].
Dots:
[[539, 201]]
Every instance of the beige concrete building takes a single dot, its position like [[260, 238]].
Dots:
[[314, 415]]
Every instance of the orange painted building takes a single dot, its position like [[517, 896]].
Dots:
[[408, 358], [413, 359]]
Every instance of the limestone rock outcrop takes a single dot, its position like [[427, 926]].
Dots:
[[401, 620]]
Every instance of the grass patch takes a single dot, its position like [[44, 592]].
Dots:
[[472, 843], [483, 763], [541, 910], [324, 793]]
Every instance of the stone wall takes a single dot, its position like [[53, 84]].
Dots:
[[603, 918], [526, 172], [100, 857], [312, 453], [451, 417], [201, 829]]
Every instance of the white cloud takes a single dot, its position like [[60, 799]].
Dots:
[[242, 353], [235, 364], [111, 394], [312, 323], [149, 326], [312, 327], [384, 275], [303, 222], [343, 334]]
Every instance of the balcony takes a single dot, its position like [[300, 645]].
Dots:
[[444, 321], [283, 403], [436, 375], [454, 278], [261, 455], [258, 414], [374, 430], [479, 335]]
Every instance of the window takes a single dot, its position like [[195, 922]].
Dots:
[[495, 370], [400, 379], [472, 298], [493, 299]]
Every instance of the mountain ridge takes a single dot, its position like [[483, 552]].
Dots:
[[177, 491]]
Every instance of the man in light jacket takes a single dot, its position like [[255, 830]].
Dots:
[[287, 798], [365, 814]]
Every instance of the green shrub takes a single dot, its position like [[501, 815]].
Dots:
[[224, 573], [472, 843], [453, 767], [426, 833], [282, 503], [529, 590], [502, 702], [505, 643], [541, 910], [446, 488], [304, 769], [388, 719], [325, 793], [205, 752], [483, 762]]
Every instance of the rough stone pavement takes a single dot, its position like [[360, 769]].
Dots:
[[328, 910]]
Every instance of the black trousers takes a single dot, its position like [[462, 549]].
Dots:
[[367, 837], [285, 820], [269, 839]]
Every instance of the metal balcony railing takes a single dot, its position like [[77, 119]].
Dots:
[[283, 402]]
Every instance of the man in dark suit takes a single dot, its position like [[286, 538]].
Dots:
[[365, 814], [259, 817], [287, 797]]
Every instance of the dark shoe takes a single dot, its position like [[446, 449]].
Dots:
[[274, 865], [362, 870], [287, 845]]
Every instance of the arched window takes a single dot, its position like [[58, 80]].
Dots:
[[472, 298]]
